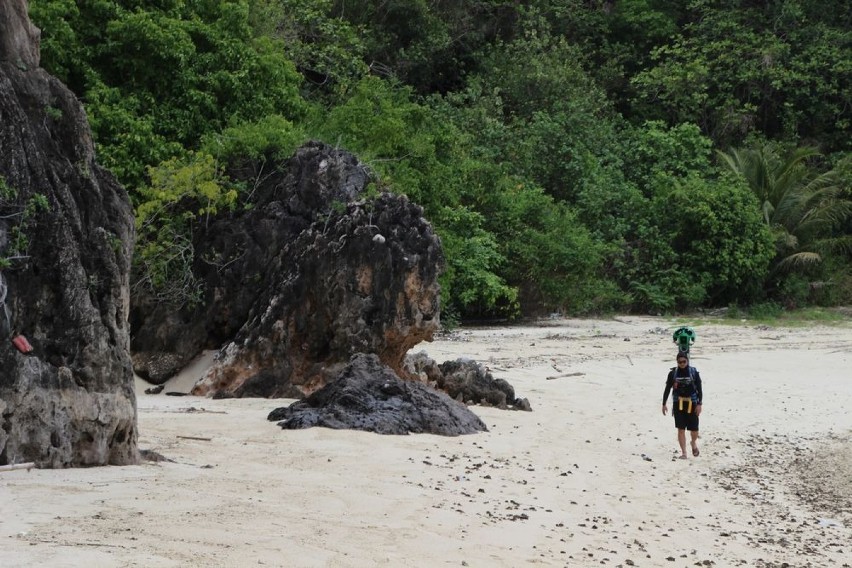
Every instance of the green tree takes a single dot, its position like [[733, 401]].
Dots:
[[738, 67], [654, 150], [615, 38], [427, 44], [677, 235], [552, 258], [472, 284], [327, 50], [803, 207], [158, 75], [538, 111], [181, 194], [718, 238], [704, 244]]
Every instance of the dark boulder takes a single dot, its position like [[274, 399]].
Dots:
[[425, 368], [470, 382], [466, 381], [66, 234], [367, 395]]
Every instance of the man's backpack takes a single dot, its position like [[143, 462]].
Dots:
[[685, 386]]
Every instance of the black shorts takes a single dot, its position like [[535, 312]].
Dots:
[[683, 419]]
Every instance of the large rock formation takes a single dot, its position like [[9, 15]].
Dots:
[[366, 395], [64, 275], [312, 274], [466, 381]]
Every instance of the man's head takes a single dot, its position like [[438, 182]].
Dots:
[[682, 359]]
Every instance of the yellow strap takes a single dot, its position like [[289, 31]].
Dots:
[[680, 402]]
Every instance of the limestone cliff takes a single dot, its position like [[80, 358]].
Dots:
[[311, 274], [66, 234]]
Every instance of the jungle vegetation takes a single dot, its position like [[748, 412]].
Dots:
[[580, 156]]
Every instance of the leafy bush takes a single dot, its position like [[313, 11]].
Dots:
[[765, 310], [470, 284], [254, 144], [720, 237], [182, 193]]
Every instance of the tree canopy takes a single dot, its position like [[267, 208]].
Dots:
[[574, 156]]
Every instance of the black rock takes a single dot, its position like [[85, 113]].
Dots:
[[367, 395]]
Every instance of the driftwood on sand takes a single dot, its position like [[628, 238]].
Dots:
[[27, 466]]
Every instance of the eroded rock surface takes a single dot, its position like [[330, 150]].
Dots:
[[19, 40], [367, 395], [466, 381], [312, 274], [69, 401]]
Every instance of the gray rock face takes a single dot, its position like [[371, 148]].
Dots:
[[237, 255], [310, 275], [367, 395], [69, 401], [339, 293], [19, 40]]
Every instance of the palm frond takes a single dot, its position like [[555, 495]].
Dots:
[[784, 240], [797, 261], [801, 205], [827, 215], [836, 245], [768, 212], [792, 170]]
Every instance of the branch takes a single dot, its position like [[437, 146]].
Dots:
[[27, 466]]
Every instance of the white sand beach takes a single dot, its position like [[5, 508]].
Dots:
[[588, 478]]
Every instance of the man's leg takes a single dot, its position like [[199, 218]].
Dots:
[[694, 435], [681, 439]]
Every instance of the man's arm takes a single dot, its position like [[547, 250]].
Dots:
[[669, 384], [700, 394], [698, 389]]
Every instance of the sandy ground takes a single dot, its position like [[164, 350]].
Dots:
[[586, 479]]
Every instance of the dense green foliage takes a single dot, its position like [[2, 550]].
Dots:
[[803, 209], [573, 155]]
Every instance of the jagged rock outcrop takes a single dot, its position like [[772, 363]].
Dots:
[[366, 395], [313, 273], [237, 255], [69, 401], [467, 381]]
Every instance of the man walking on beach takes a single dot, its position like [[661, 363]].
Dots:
[[684, 383]]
